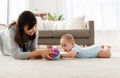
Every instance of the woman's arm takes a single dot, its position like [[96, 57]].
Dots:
[[71, 54], [43, 53], [14, 49]]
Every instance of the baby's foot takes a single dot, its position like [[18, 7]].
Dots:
[[108, 46], [103, 46]]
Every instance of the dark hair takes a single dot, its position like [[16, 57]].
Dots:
[[25, 18]]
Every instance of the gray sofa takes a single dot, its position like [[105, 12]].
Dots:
[[83, 37]]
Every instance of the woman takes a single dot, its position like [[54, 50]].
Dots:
[[20, 39]]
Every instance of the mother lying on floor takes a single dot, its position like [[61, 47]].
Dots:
[[20, 39]]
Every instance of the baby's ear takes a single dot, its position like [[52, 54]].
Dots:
[[73, 42]]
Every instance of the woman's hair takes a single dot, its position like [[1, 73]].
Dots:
[[68, 37], [25, 18]]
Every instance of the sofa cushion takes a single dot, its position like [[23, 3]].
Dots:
[[75, 33], [45, 33], [44, 24]]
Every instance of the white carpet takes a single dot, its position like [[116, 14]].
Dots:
[[64, 68]]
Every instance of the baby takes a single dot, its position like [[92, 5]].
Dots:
[[73, 50]]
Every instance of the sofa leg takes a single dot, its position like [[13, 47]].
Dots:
[[84, 45], [49, 46]]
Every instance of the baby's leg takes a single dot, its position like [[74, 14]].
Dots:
[[105, 52]]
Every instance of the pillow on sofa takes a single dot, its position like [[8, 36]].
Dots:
[[59, 25], [44, 24], [75, 23], [39, 23], [48, 25]]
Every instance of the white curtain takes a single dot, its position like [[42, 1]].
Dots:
[[105, 13], [106, 16], [108, 37], [10, 9], [16, 7], [3, 11]]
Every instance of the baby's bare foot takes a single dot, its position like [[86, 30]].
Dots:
[[108, 46], [103, 46]]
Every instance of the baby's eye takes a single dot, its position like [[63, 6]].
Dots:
[[64, 45]]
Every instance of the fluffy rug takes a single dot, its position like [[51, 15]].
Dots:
[[64, 68]]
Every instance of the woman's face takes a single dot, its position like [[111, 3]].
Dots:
[[30, 32]]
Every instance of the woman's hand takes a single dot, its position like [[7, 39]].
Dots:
[[41, 53], [45, 53]]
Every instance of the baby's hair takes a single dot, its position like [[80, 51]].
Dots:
[[69, 37]]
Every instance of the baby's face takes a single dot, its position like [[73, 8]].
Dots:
[[66, 45]]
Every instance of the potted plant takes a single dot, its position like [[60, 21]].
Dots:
[[55, 17]]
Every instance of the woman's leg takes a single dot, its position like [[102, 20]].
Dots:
[[105, 52]]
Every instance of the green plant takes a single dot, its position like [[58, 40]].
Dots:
[[55, 17]]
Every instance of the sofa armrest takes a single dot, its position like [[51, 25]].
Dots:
[[2, 24], [90, 25]]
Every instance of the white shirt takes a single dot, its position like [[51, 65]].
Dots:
[[9, 47]]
